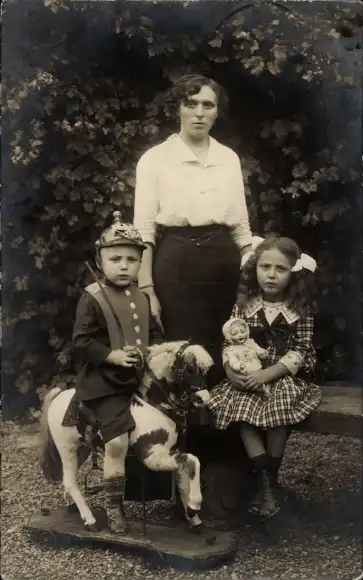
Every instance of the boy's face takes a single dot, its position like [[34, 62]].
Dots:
[[120, 264], [238, 333]]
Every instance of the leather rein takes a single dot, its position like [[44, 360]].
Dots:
[[180, 407]]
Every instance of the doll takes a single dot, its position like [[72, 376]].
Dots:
[[241, 352]]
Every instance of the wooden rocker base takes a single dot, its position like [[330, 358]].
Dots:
[[162, 546]]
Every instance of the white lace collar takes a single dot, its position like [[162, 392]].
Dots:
[[256, 304]]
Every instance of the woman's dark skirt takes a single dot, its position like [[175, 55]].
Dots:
[[196, 274]]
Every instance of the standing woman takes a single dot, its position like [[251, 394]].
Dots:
[[191, 211]]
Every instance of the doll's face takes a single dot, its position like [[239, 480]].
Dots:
[[238, 333]]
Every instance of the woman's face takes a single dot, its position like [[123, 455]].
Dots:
[[198, 113]]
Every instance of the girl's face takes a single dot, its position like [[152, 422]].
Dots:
[[273, 274], [120, 264], [198, 113], [238, 333]]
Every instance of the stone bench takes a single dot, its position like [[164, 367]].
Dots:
[[339, 413]]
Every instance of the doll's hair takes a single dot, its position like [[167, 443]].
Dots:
[[227, 327], [300, 293]]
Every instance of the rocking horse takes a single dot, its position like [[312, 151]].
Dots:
[[173, 381], [172, 384]]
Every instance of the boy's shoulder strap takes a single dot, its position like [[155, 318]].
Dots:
[[93, 288], [126, 313], [116, 337]]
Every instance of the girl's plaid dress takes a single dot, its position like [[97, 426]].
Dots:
[[288, 339]]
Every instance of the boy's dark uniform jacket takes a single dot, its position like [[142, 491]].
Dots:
[[94, 336]]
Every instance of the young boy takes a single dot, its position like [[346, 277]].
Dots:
[[113, 327]]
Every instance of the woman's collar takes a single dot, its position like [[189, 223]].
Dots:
[[256, 304], [186, 155]]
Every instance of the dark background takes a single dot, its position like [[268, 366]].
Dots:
[[85, 89]]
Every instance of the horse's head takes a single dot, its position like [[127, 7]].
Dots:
[[183, 366]]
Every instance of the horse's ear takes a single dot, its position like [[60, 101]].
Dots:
[[203, 360], [190, 357]]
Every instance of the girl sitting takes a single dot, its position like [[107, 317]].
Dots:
[[276, 300]]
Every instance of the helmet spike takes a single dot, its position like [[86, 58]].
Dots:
[[117, 217]]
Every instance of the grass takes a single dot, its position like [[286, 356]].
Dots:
[[316, 535]]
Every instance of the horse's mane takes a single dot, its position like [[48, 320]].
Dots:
[[162, 356]]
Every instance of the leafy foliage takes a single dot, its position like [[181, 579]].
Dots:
[[86, 95]]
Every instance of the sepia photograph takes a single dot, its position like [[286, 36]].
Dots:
[[182, 363]]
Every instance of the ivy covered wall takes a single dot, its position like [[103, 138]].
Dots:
[[85, 87]]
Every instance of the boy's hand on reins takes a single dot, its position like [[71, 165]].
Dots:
[[124, 357]]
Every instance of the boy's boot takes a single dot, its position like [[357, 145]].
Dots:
[[115, 491], [264, 504]]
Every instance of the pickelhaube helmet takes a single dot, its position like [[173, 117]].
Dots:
[[120, 234]]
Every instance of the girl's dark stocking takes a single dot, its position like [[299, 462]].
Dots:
[[276, 442], [252, 438], [264, 504]]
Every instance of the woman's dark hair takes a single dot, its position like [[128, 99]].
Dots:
[[300, 293], [191, 84]]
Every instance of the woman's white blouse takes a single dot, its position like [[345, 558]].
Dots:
[[174, 188]]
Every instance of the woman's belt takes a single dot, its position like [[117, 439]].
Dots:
[[194, 233]]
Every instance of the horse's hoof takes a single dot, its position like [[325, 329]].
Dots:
[[72, 508], [119, 530], [202, 530], [199, 529], [92, 527]]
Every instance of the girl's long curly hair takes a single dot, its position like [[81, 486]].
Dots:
[[300, 293]]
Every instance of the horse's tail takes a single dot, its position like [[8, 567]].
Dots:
[[50, 461]]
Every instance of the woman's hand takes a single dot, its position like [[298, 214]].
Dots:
[[128, 357], [155, 306]]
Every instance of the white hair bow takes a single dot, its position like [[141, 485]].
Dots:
[[256, 241], [306, 262]]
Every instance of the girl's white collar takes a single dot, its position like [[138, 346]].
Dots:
[[256, 304]]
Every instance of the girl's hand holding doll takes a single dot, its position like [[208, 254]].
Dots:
[[255, 379], [238, 380]]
